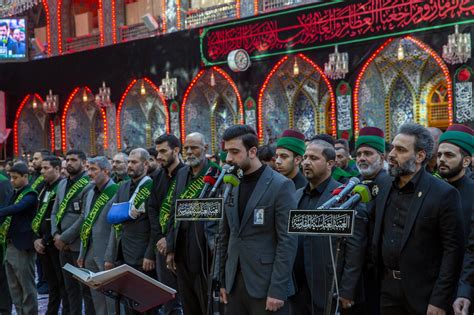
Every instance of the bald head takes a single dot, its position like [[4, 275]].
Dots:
[[196, 137]]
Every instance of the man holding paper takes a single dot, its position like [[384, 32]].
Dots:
[[95, 230], [132, 240]]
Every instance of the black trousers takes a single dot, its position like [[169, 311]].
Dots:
[[193, 288], [5, 299], [76, 292], [54, 277], [393, 300], [241, 303], [165, 276]]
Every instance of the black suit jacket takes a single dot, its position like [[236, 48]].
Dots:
[[432, 248], [350, 259], [6, 190], [469, 266]]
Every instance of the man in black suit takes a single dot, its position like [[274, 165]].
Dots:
[[16, 240], [6, 190], [455, 148], [190, 243], [370, 156], [134, 245], [313, 266], [256, 252], [159, 208], [417, 228]]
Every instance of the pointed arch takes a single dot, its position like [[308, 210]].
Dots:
[[223, 74], [17, 120], [378, 51], [64, 119], [124, 97], [273, 71], [48, 25]]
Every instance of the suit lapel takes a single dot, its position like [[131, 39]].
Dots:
[[234, 210], [415, 206], [260, 189], [90, 195], [381, 201]]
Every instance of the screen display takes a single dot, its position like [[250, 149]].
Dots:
[[13, 41]]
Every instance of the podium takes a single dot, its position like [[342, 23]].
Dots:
[[125, 285]]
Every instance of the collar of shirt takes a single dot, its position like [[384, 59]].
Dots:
[[191, 175], [411, 185], [319, 190], [74, 179], [99, 190], [175, 171]]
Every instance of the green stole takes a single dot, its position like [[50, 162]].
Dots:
[[191, 191], [165, 209], [3, 177], [8, 220], [86, 228], [142, 195], [38, 181], [36, 223], [71, 193]]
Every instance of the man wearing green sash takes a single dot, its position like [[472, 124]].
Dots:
[[48, 254], [134, 245], [16, 240], [95, 230], [37, 183], [66, 223], [189, 243], [159, 207], [343, 157], [6, 190]]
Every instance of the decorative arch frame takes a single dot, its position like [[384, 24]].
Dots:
[[17, 119], [48, 25], [227, 77], [377, 52], [122, 100], [64, 117], [273, 71], [101, 22]]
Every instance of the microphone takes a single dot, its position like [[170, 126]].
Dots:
[[230, 180], [361, 193], [344, 192], [225, 169], [209, 180]]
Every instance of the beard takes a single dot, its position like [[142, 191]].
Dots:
[[193, 161], [450, 172], [168, 162], [134, 174], [73, 171], [407, 168], [369, 170]]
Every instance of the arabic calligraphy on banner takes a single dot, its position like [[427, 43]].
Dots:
[[325, 24]]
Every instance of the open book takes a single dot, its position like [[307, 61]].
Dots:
[[141, 291]]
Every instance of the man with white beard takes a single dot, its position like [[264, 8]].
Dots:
[[370, 151]]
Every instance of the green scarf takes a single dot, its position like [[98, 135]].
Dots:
[[3, 177], [38, 181], [142, 195], [165, 209], [36, 223], [86, 228], [73, 191], [8, 220]]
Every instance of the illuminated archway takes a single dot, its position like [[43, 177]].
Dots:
[[90, 99], [147, 83], [216, 91], [419, 65], [297, 75], [28, 118]]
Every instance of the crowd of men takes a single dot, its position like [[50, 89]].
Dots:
[[411, 250], [12, 38]]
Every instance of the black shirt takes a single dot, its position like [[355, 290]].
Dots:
[[159, 192], [247, 186], [299, 180], [310, 197], [72, 181], [396, 210]]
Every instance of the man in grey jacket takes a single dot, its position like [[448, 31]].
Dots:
[[66, 223], [95, 230], [256, 252]]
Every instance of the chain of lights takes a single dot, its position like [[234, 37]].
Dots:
[[15, 7], [458, 48]]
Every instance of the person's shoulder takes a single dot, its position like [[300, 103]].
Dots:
[[439, 187]]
